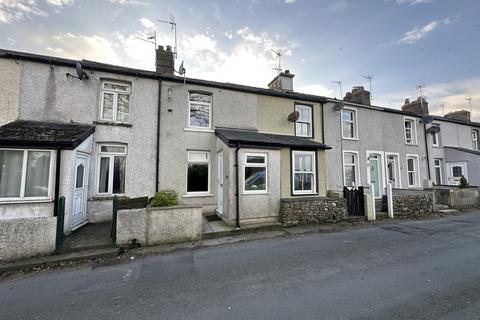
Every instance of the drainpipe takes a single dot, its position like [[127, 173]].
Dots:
[[157, 168], [323, 122], [57, 182], [426, 149], [237, 191]]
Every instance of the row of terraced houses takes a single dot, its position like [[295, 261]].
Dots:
[[235, 150]]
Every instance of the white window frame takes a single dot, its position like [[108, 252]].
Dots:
[[439, 166], [475, 139], [416, 166], [414, 130], [24, 178], [208, 162], [355, 123], [436, 137], [209, 105], [256, 165], [111, 163], [356, 165], [314, 168], [310, 123], [115, 100]]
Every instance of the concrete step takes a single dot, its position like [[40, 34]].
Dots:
[[446, 210], [353, 219], [39, 261], [232, 231], [437, 207]]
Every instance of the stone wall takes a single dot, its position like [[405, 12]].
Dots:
[[25, 237], [153, 226], [294, 211], [413, 204], [459, 198]]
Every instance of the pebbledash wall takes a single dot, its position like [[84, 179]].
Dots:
[[46, 94]]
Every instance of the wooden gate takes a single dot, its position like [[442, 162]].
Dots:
[[354, 199]]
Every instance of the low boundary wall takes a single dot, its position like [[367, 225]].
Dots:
[[305, 210]]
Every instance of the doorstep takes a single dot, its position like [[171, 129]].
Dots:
[[218, 229]]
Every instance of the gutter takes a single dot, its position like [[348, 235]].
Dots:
[[157, 156], [237, 191], [57, 182]]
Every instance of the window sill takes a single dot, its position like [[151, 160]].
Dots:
[[200, 195], [246, 193], [199, 130], [20, 201], [352, 139], [304, 194], [114, 124], [412, 144]]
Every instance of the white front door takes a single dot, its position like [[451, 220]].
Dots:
[[455, 171], [220, 183], [80, 185]]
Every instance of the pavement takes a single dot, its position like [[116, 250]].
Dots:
[[405, 270]]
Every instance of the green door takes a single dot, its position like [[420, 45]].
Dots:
[[375, 175]]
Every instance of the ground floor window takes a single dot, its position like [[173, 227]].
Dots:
[[198, 172], [437, 167], [303, 172], [350, 168], [111, 169], [24, 174], [255, 173], [413, 171]]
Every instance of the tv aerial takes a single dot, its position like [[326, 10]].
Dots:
[[369, 77], [278, 53], [81, 74], [173, 28]]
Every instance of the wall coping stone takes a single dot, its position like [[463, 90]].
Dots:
[[310, 199], [173, 207]]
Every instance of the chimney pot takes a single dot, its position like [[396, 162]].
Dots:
[[164, 62], [358, 95], [419, 106]]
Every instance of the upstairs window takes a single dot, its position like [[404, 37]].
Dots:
[[410, 131], [24, 174], [475, 143], [349, 123], [436, 136], [303, 126], [199, 110], [111, 169], [115, 102]]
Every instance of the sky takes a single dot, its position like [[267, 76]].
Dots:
[[401, 43]]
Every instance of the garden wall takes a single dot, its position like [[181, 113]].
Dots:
[[304, 210], [412, 203]]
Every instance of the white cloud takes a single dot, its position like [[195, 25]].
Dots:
[[17, 10], [317, 89], [60, 3], [451, 94], [414, 2], [417, 33], [129, 2], [77, 46], [290, 1], [147, 23]]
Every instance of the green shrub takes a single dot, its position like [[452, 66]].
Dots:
[[463, 183], [165, 198]]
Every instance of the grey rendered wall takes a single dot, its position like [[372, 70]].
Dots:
[[377, 131], [46, 94], [229, 109], [10, 80], [473, 163], [255, 208]]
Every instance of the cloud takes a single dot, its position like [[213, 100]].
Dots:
[[129, 2], [18, 10], [290, 1], [317, 89], [414, 2], [147, 23], [451, 94], [418, 33], [76, 46], [60, 3]]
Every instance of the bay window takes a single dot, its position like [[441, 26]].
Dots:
[[303, 172], [24, 174], [115, 102], [198, 172], [255, 173], [111, 169]]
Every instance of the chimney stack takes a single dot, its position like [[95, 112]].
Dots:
[[164, 61], [416, 106], [462, 115], [283, 82], [358, 95]]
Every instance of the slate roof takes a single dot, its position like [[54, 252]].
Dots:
[[253, 138], [24, 133], [464, 150]]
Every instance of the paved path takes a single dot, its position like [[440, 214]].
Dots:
[[408, 270]]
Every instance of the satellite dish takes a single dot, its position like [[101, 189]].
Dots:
[[292, 117], [433, 130], [338, 106], [181, 69], [80, 72], [427, 119]]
